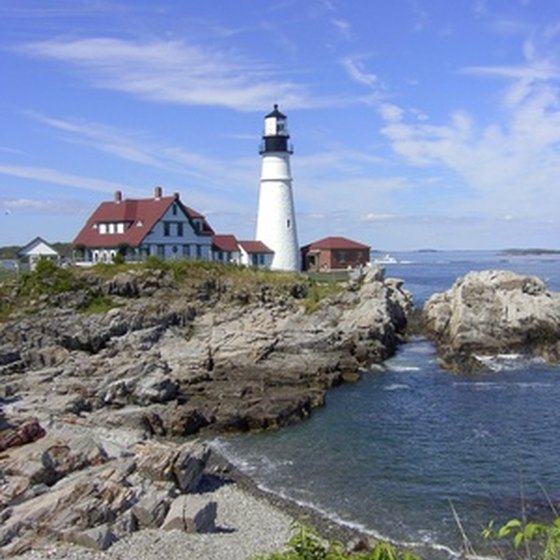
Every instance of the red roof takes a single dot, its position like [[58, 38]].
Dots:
[[224, 243], [139, 215], [336, 243], [255, 247]]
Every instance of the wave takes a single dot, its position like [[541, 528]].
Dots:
[[397, 387], [505, 362], [426, 541], [401, 367]]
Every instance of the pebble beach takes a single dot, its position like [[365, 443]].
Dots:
[[247, 524]]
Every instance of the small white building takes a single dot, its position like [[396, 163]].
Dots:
[[255, 253], [225, 249], [36, 250]]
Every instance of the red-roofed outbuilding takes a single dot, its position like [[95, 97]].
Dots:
[[334, 253]]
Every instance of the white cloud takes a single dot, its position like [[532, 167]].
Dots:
[[48, 175], [356, 71], [343, 26], [49, 206], [137, 147], [174, 72], [510, 166]]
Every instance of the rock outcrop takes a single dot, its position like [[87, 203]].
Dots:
[[490, 313], [170, 366], [84, 396]]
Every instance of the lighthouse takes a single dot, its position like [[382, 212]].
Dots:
[[276, 220]]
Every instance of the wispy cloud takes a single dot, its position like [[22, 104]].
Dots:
[[53, 176], [511, 166], [137, 147], [358, 73], [174, 72], [12, 205]]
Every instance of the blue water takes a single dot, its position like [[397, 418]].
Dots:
[[394, 453]]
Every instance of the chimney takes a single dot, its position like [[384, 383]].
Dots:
[[176, 195], [118, 196], [158, 192]]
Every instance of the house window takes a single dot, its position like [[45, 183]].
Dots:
[[255, 259], [111, 228], [102, 228], [179, 228], [166, 229], [120, 227], [199, 251], [174, 210], [261, 259], [186, 251], [161, 251]]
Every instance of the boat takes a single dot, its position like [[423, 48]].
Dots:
[[385, 259]]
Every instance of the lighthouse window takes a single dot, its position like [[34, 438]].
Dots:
[[288, 223]]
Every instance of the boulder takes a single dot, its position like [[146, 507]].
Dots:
[[151, 509], [193, 514], [96, 538], [189, 466], [493, 312]]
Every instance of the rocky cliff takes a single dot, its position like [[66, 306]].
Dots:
[[490, 313], [84, 394]]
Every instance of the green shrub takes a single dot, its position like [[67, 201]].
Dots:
[[99, 304], [541, 541], [306, 544], [47, 278], [318, 291]]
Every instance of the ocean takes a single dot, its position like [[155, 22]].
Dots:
[[399, 452]]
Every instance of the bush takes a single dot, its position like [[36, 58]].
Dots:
[[47, 278], [540, 540], [307, 545]]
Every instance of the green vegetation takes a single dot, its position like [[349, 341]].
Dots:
[[100, 304], [318, 291], [307, 545], [203, 280], [540, 541], [48, 279]]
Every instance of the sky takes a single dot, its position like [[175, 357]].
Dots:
[[415, 123]]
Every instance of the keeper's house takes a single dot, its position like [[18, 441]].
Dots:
[[334, 253], [163, 227]]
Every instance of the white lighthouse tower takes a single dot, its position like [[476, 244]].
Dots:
[[276, 220]]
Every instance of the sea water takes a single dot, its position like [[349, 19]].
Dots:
[[411, 448]]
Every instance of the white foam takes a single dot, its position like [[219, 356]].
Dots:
[[402, 367], [397, 387]]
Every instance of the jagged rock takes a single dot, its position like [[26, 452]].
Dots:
[[96, 538], [151, 509], [192, 514], [214, 357], [493, 312], [25, 431], [156, 388], [155, 461], [189, 466]]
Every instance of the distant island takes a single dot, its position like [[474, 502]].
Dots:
[[533, 251]]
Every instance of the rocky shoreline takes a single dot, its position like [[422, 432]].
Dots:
[[95, 407], [491, 313]]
